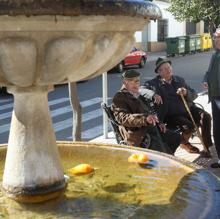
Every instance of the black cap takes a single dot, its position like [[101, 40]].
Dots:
[[129, 74], [160, 61]]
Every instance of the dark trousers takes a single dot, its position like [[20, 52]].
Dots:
[[185, 124], [203, 120], [164, 142], [216, 124]]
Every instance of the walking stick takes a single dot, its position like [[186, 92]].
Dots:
[[206, 149]]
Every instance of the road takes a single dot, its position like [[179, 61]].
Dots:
[[191, 67]]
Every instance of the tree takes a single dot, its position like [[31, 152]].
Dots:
[[197, 10]]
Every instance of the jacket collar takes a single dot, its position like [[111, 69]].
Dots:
[[125, 90], [162, 81]]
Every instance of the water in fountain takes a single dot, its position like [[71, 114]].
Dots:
[[118, 189]]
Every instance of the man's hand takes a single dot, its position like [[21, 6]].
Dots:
[[157, 99], [182, 91], [162, 127], [152, 119], [205, 85]]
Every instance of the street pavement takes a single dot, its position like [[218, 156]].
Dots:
[[153, 56], [58, 107]]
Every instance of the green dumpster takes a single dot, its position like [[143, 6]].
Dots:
[[190, 44], [197, 42], [175, 45]]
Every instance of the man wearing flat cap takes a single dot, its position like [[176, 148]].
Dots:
[[212, 83], [171, 109], [135, 120]]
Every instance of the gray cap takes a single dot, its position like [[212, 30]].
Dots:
[[160, 61], [129, 74]]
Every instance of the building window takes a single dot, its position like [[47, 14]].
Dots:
[[162, 27]]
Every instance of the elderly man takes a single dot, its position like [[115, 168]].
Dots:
[[171, 108], [212, 83], [135, 121]]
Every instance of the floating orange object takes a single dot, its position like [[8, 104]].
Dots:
[[138, 158], [81, 169]]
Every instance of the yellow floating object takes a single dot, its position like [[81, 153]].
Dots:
[[138, 158], [81, 169]]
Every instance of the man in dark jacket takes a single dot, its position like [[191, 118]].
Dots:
[[135, 120], [171, 108], [212, 83]]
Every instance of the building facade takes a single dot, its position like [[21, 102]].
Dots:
[[153, 36]]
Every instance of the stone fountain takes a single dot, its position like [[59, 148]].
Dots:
[[43, 43]]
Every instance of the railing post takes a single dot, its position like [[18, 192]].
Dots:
[[105, 100]]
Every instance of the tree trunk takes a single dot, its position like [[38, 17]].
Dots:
[[212, 27], [77, 112]]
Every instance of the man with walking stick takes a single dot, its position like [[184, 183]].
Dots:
[[212, 83], [176, 98]]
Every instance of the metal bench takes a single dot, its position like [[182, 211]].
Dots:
[[115, 126], [114, 123]]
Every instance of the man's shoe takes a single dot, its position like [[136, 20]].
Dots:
[[215, 165], [189, 148]]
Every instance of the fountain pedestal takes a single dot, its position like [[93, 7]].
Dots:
[[32, 165]]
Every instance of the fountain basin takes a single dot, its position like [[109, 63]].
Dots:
[[46, 42], [164, 188]]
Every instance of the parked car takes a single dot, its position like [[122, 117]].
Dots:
[[135, 57]]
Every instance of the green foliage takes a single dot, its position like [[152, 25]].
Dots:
[[197, 10], [159, 0]]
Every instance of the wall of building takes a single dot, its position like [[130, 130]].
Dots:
[[149, 36], [175, 28], [142, 38]]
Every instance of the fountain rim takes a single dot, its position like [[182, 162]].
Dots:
[[117, 146], [135, 8], [189, 164]]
